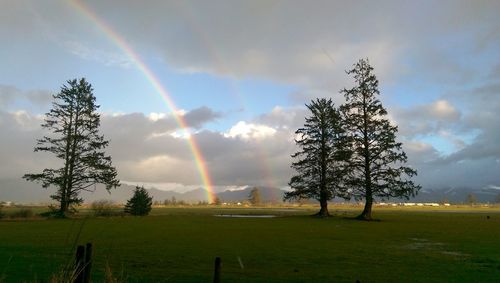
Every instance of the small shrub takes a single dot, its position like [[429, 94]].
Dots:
[[22, 213], [48, 214], [2, 215], [53, 212], [102, 208]]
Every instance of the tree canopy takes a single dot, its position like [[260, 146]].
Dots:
[[376, 163], [140, 203], [320, 163], [74, 125]]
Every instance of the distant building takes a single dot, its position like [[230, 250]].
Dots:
[[6, 203]]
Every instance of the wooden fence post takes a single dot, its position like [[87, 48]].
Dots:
[[83, 264], [217, 270], [79, 264], [88, 263]]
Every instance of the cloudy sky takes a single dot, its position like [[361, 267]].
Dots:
[[240, 72]]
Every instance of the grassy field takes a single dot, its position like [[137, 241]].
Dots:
[[179, 245]]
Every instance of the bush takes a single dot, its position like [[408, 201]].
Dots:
[[2, 215], [53, 212], [102, 208], [140, 203], [22, 213]]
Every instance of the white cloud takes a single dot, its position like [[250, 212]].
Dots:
[[25, 120], [165, 186], [181, 134], [250, 131], [297, 42], [442, 109], [425, 119], [156, 116], [235, 158]]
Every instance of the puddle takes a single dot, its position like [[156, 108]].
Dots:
[[264, 208], [246, 215], [455, 254], [426, 245], [422, 244], [419, 239]]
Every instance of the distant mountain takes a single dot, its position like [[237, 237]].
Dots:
[[268, 194], [456, 195], [194, 195], [21, 191]]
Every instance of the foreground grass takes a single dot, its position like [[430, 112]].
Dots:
[[180, 244]]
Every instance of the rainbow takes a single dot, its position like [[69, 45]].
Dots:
[[155, 82], [196, 27]]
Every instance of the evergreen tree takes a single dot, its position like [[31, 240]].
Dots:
[[377, 160], [254, 196], [140, 203], [320, 162], [471, 199], [217, 201], [74, 123]]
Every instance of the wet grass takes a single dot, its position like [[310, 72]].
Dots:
[[180, 244]]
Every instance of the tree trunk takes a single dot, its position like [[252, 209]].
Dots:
[[367, 211], [68, 203], [62, 207], [323, 212], [323, 195], [72, 154]]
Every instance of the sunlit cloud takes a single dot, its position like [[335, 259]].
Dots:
[[250, 131]]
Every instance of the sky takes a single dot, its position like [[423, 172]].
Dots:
[[239, 73]]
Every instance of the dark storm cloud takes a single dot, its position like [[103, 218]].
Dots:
[[199, 116]]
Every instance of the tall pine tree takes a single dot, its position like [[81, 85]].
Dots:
[[320, 162], [75, 140], [377, 160]]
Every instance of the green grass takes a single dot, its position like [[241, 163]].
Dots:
[[180, 244]]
